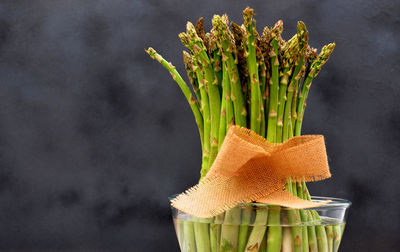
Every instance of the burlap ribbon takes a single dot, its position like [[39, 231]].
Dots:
[[248, 168]]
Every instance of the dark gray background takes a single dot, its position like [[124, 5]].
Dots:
[[94, 135]]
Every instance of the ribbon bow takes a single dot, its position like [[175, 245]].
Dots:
[[248, 168]]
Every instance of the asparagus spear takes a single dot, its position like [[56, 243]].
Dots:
[[321, 238], [264, 46], [255, 113], [249, 42], [274, 231], [230, 230], [314, 69], [189, 242], [228, 50], [274, 82], [184, 87], [222, 123], [329, 235], [238, 33], [294, 215], [205, 106], [289, 54], [227, 96], [257, 234], [263, 80], [337, 236], [187, 60], [199, 27], [200, 51], [299, 68]]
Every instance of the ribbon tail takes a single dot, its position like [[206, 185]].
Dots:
[[286, 199]]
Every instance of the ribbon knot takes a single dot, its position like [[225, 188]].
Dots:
[[249, 168]]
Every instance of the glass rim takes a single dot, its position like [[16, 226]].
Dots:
[[334, 203]]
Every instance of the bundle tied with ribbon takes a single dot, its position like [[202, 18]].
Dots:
[[250, 169]]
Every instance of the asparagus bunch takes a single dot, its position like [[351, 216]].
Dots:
[[261, 82]]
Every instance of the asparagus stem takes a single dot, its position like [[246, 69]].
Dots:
[[200, 51], [257, 234], [337, 236], [274, 83], [294, 220], [312, 236], [321, 238], [217, 69], [239, 34], [207, 122], [263, 246], [214, 243], [244, 229], [227, 97], [287, 241], [314, 69], [184, 87], [274, 239], [230, 230], [329, 235], [222, 124], [224, 42], [201, 233], [189, 242], [187, 59], [263, 79], [255, 113], [274, 230], [288, 56]]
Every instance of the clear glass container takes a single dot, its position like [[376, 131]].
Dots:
[[262, 227]]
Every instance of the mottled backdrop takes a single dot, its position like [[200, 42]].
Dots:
[[94, 135]]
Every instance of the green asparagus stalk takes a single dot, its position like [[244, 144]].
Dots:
[[274, 82], [304, 219], [289, 54], [255, 113], [274, 239], [215, 229], [227, 96], [263, 81], [187, 60], [222, 123], [228, 50], [230, 231], [256, 116], [329, 235], [314, 69], [201, 233], [239, 35], [337, 236], [201, 230], [244, 229], [200, 52], [264, 47], [257, 234], [214, 243], [302, 39], [184, 87], [287, 241], [322, 239], [263, 246], [189, 243], [205, 107]]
